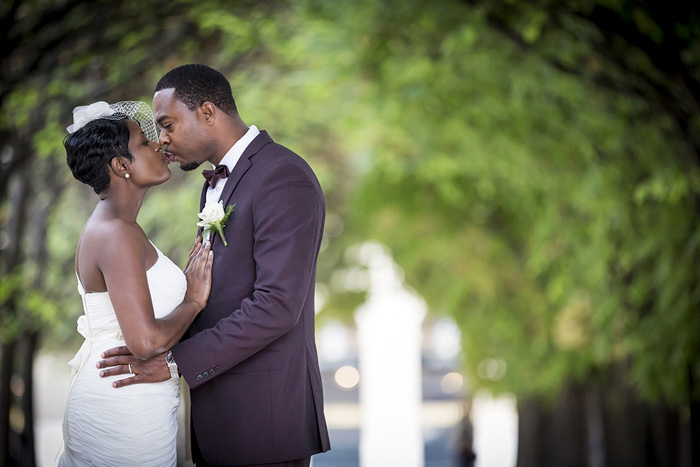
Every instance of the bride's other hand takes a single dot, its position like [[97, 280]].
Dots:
[[119, 361], [198, 273], [193, 252]]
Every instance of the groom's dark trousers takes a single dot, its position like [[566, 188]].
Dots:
[[250, 356]]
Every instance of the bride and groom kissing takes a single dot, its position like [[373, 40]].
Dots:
[[237, 324]]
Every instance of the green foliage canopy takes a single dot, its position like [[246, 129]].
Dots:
[[544, 197]]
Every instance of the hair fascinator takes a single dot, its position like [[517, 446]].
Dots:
[[138, 111]]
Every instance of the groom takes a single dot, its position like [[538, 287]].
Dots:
[[249, 358]]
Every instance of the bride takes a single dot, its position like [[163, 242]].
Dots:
[[132, 294]]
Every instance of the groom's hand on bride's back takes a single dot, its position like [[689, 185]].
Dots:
[[116, 362]]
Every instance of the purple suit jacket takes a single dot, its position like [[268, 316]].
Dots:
[[250, 356]]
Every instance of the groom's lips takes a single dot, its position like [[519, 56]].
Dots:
[[169, 156]]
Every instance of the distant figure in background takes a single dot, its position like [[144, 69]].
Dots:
[[250, 357], [465, 444]]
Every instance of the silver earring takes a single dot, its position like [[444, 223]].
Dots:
[[126, 176]]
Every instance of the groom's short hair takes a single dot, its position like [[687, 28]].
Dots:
[[196, 84]]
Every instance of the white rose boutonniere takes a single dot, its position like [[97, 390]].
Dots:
[[214, 217]]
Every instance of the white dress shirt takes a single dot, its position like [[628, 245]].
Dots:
[[229, 160]]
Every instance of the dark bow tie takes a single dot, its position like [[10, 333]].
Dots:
[[213, 176]]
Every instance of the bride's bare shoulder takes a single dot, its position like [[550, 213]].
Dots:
[[104, 238], [105, 244], [103, 230]]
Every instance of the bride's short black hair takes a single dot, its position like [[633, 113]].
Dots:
[[196, 84], [90, 150]]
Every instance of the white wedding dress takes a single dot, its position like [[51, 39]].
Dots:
[[133, 425]]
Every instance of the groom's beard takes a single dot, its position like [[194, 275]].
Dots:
[[189, 166]]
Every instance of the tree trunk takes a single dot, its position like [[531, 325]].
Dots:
[[5, 401], [694, 421], [554, 435], [26, 455], [593, 401], [626, 423], [20, 194], [602, 423], [530, 433]]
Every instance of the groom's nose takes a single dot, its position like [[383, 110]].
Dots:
[[163, 137]]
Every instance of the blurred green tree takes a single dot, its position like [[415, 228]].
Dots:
[[533, 167], [535, 172]]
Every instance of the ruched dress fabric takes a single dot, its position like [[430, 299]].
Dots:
[[129, 426]]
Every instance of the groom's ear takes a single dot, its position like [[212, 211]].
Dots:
[[209, 112]]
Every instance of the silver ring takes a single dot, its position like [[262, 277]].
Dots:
[[130, 372]]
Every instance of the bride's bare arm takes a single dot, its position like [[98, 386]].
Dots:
[[122, 263]]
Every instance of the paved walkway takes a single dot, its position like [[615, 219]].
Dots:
[[495, 420]]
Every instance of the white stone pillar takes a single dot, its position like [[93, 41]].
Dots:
[[389, 353]]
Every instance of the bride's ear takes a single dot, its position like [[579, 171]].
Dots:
[[119, 167]]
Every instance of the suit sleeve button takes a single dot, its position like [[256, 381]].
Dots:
[[199, 378], [217, 368]]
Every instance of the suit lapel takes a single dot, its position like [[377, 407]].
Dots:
[[239, 170], [202, 201]]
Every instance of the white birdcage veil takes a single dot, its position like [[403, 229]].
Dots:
[[138, 111]]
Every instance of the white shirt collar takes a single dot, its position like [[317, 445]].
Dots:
[[230, 159], [233, 154]]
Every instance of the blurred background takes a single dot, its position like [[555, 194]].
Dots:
[[511, 260]]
